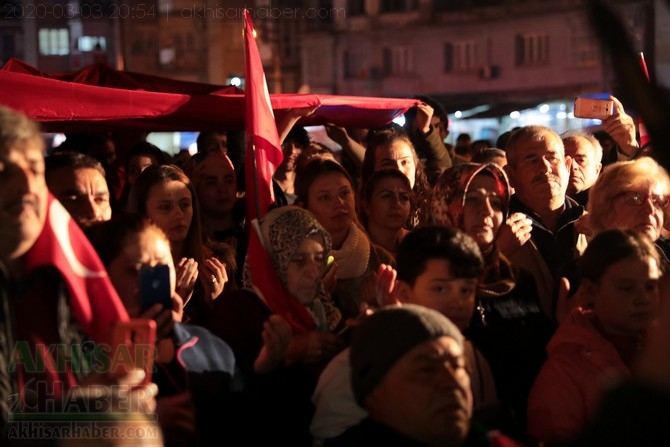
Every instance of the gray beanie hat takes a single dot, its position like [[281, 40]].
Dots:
[[388, 334]]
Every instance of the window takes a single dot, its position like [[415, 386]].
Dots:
[[585, 49], [290, 40], [92, 43], [54, 41], [532, 49], [398, 61], [355, 7], [397, 5], [460, 56]]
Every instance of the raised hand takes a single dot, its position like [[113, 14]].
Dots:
[[187, 274], [514, 233], [276, 339], [213, 277], [621, 127]]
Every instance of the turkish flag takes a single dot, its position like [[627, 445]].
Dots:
[[263, 156], [94, 302], [263, 148]]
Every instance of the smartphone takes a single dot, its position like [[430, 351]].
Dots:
[[593, 108], [155, 286], [134, 346]]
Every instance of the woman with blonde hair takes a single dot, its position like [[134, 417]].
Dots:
[[630, 195]]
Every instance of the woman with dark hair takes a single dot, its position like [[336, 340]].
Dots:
[[385, 208], [325, 189], [391, 147], [597, 347], [166, 196]]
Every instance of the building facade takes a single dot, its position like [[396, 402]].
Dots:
[[466, 52]]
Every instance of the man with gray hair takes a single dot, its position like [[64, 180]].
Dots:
[[587, 155], [539, 171]]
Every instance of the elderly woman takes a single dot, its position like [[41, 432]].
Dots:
[[630, 195], [299, 247], [508, 326]]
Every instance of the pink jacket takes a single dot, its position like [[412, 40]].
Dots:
[[580, 364]]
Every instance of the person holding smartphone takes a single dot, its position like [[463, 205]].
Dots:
[[196, 371]]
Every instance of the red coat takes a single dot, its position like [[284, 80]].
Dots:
[[580, 364]]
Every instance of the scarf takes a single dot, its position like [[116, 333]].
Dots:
[[94, 302], [354, 255], [282, 231]]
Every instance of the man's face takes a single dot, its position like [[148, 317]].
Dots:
[[426, 394], [540, 173], [83, 192], [585, 167], [23, 198], [217, 190]]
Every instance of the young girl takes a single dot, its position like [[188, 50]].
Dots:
[[595, 348], [166, 196]]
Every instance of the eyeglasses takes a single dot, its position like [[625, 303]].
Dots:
[[633, 198]]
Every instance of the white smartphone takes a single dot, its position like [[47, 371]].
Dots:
[[593, 108]]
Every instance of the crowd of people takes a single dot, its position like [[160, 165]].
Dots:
[[414, 293]]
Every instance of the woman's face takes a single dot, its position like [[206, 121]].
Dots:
[[170, 206], [389, 204], [639, 209], [626, 299], [483, 210], [305, 269], [331, 199], [146, 249], [136, 165], [399, 155]]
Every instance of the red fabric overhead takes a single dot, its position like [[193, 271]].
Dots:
[[76, 102]]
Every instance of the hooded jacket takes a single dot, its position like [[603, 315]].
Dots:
[[581, 364]]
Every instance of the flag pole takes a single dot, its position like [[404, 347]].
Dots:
[[257, 201]]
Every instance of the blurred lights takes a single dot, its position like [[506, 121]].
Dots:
[[400, 121], [544, 108], [561, 115], [515, 115], [458, 114], [235, 81]]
